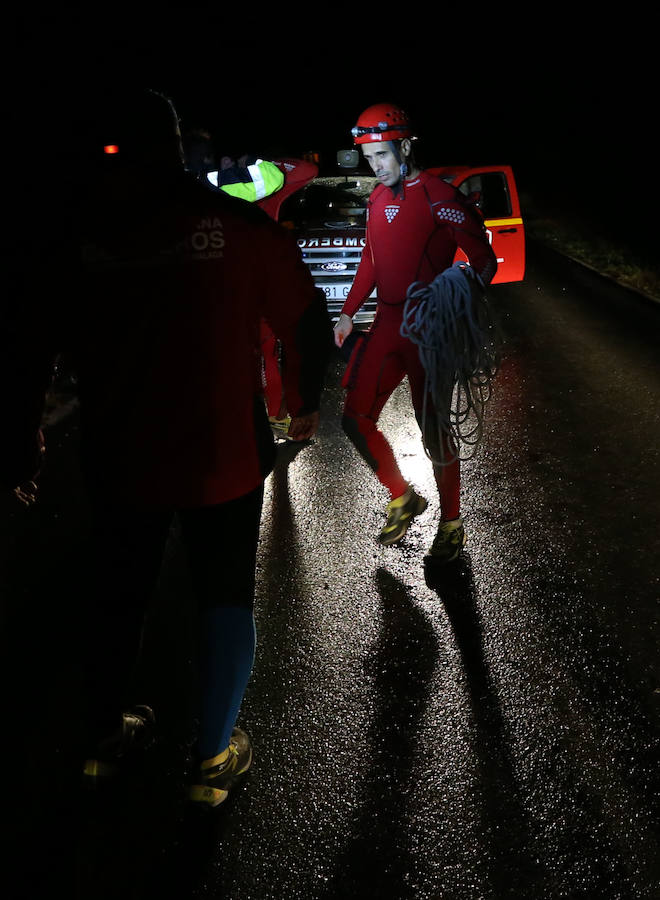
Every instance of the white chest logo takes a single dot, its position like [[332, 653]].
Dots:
[[391, 211]]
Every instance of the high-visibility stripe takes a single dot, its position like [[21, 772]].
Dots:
[[490, 223], [258, 180]]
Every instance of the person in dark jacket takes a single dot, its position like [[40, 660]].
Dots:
[[167, 283]]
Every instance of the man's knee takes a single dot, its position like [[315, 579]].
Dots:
[[358, 431], [350, 427], [357, 428]]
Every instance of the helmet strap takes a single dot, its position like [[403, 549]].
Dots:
[[403, 166]]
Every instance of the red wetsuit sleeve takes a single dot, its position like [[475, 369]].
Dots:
[[470, 235], [296, 311], [363, 283]]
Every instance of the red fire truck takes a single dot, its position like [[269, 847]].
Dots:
[[328, 216]]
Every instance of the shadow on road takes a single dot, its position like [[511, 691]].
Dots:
[[378, 861], [513, 869], [142, 844]]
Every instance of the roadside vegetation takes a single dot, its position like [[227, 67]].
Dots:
[[581, 240]]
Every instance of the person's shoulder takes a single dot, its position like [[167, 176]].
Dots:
[[437, 186]]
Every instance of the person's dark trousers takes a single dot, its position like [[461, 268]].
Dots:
[[128, 547]]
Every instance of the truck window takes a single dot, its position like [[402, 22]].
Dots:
[[494, 200]]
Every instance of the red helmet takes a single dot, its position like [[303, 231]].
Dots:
[[381, 122]]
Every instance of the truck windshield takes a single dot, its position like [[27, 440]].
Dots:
[[337, 202]]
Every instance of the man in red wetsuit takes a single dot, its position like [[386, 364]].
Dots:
[[415, 223]]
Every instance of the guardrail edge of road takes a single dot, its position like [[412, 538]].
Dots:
[[643, 295]]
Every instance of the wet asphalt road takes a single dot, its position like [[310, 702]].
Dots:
[[488, 732]]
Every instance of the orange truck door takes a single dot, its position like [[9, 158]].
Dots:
[[498, 200]]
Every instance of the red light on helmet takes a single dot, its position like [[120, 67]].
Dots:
[[111, 149]]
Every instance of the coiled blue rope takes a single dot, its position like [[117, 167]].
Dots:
[[451, 322]]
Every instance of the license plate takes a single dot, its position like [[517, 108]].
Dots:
[[336, 291]]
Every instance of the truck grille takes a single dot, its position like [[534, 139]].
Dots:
[[333, 262]]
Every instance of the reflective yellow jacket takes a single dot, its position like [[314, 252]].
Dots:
[[253, 182]]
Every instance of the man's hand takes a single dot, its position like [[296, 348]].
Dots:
[[26, 493], [303, 427], [343, 328]]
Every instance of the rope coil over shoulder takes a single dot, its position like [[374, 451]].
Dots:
[[451, 322]]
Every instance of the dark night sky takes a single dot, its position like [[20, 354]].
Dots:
[[569, 105]]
